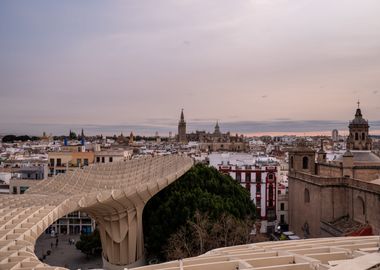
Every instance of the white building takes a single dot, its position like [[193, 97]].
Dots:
[[112, 155], [259, 176]]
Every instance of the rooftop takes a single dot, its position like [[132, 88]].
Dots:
[[355, 253], [362, 157]]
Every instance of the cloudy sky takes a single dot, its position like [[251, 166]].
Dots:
[[138, 62]]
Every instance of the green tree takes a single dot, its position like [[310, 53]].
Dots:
[[9, 138], [72, 135], [202, 190], [90, 244], [14, 138]]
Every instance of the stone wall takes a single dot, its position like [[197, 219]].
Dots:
[[367, 173], [331, 198], [326, 169]]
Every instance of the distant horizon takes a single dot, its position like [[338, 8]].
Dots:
[[247, 128]]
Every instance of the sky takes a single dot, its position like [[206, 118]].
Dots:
[[254, 65]]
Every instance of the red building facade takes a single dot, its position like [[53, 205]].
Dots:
[[260, 181]]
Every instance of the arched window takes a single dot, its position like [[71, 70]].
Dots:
[[305, 163], [356, 136], [306, 196], [291, 162], [270, 196], [360, 205]]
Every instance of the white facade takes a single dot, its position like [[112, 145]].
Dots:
[[5, 177], [107, 156]]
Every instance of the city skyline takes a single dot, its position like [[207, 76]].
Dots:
[[248, 128], [289, 65]]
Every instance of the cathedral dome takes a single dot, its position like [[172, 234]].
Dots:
[[359, 120]]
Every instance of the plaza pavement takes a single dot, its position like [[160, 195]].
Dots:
[[65, 255]]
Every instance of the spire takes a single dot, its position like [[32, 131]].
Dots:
[[182, 116], [358, 111], [182, 129], [82, 133], [217, 129]]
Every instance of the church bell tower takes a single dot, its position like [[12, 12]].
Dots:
[[358, 138], [182, 129]]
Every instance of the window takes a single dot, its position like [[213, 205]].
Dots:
[[305, 163], [270, 195], [14, 190], [258, 188], [78, 162], [248, 177], [363, 136], [52, 162], [85, 162], [23, 189], [59, 162], [356, 136], [271, 215], [238, 176], [258, 203], [110, 159], [97, 159], [306, 196], [103, 159], [248, 186], [282, 219], [282, 206], [270, 177], [258, 177]]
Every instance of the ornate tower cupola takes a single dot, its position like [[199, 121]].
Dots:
[[358, 138], [182, 129]]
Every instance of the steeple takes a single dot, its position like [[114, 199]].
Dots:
[[182, 129], [358, 113], [217, 129], [182, 116], [358, 138]]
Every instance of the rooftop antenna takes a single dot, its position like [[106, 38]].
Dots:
[[358, 103]]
